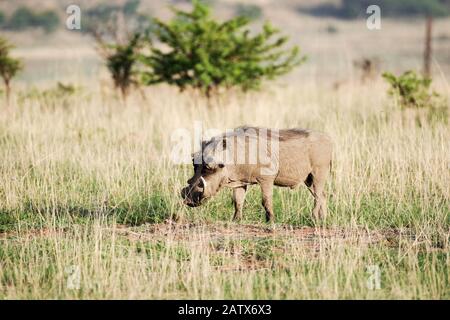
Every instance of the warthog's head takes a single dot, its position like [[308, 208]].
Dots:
[[210, 173]]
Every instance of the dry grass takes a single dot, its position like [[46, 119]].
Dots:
[[89, 183]]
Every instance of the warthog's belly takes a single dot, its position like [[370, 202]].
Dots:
[[295, 165], [292, 178]]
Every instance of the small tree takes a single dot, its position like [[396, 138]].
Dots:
[[205, 54], [120, 63], [117, 45], [9, 67]]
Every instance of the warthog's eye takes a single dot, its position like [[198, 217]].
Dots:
[[213, 168]]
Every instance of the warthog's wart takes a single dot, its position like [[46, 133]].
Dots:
[[285, 158]]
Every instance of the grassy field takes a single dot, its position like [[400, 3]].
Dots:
[[90, 205]]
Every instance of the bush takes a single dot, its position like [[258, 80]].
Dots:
[[351, 9], [9, 67], [23, 18], [414, 91], [206, 55], [48, 20], [120, 62], [62, 95], [2, 18], [354, 8], [102, 11], [117, 30]]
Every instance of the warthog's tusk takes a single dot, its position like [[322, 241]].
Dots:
[[204, 182]]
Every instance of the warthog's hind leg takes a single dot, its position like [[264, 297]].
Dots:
[[238, 200], [267, 193], [316, 184]]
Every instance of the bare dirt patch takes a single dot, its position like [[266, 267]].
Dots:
[[234, 231], [218, 232], [235, 247]]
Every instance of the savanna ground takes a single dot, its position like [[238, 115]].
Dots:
[[90, 184], [87, 188]]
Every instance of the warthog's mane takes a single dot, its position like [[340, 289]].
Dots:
[[260, 132], [249, 132]]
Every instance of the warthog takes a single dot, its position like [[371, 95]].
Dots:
[[268, 157]]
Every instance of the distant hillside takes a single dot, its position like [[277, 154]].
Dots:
[[350, 9]]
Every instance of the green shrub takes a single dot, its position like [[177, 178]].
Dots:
[[118, 42], [414, 91], [354, 8], [206, 55], [351, 9], [120, 62], [48, 20], [23, 18], [9, 67], [2, 18], [102, 11], [62, 95]]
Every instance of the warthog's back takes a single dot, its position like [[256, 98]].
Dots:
[[299, 151]]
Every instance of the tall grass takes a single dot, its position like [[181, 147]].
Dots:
[[83, 171]]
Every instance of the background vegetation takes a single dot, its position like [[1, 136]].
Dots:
[[351, 9], [24, 18]]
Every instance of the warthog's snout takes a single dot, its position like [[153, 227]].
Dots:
[[193, 194]]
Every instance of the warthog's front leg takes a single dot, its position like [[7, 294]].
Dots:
[[238, 199], [267, 193]]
